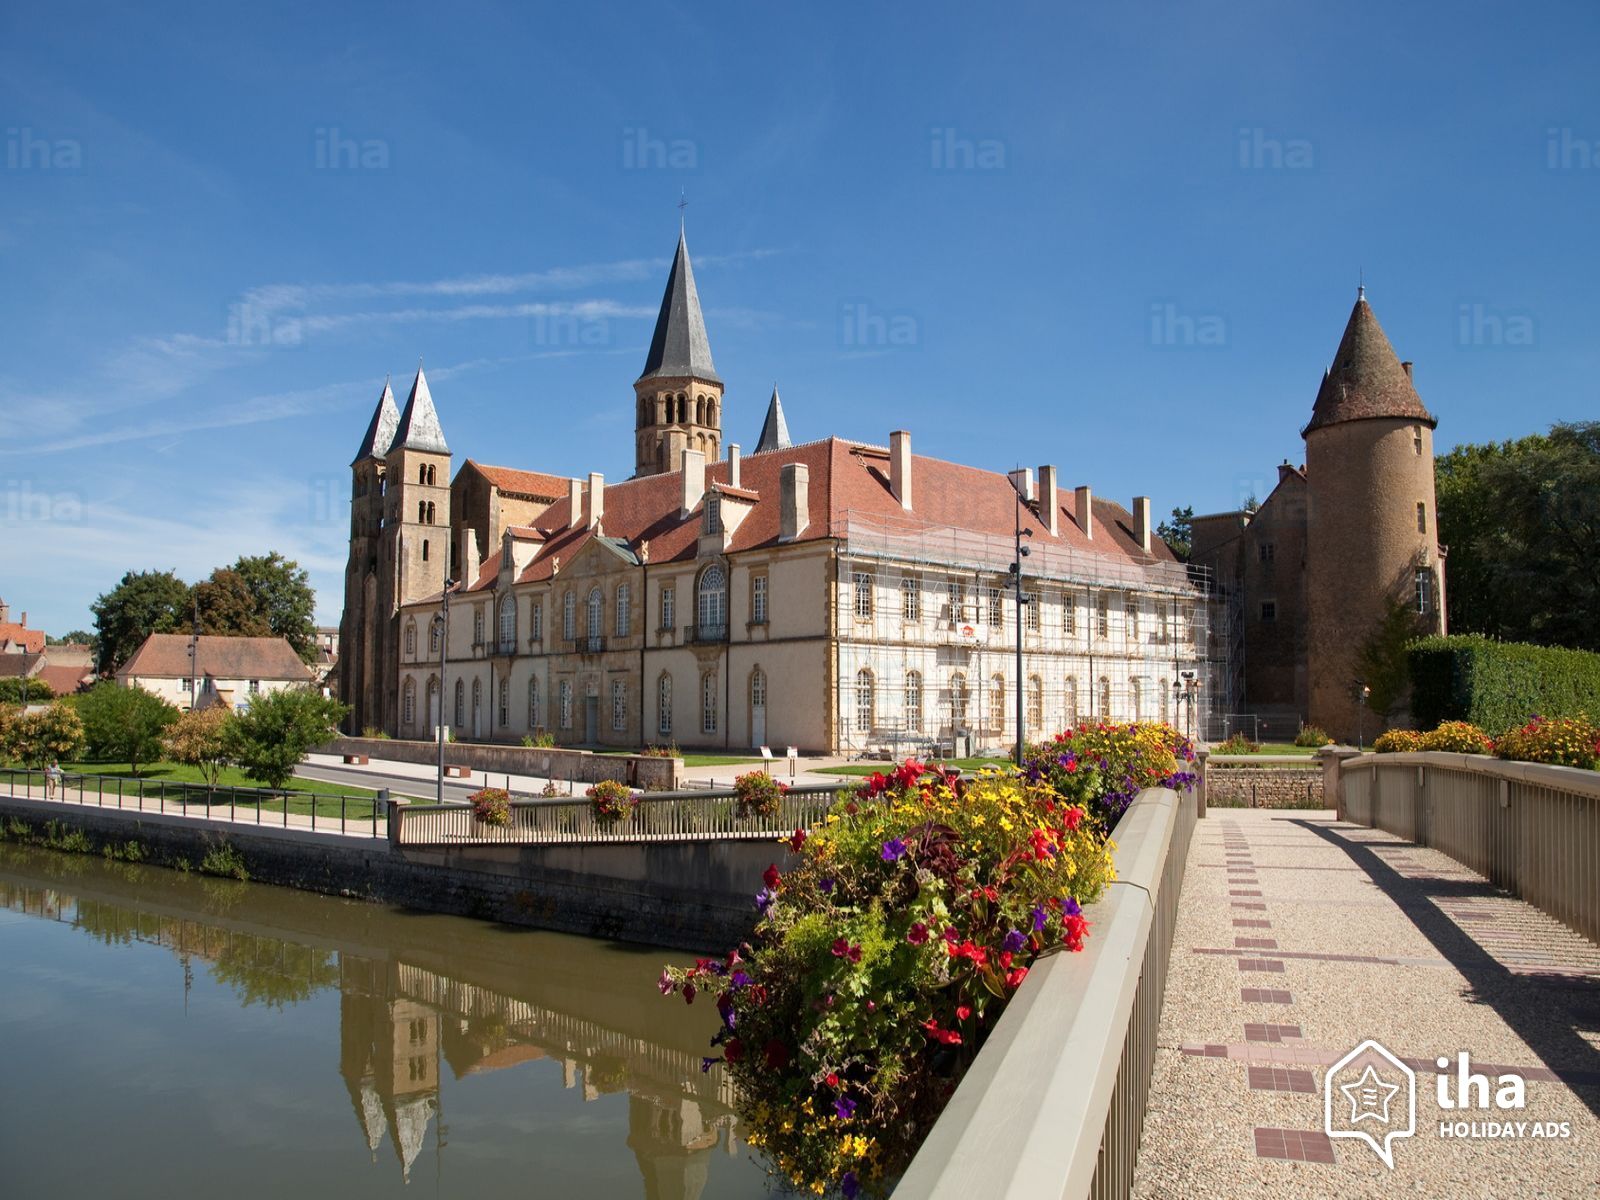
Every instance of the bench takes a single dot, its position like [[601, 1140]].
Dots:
[[458, 772], [356, 760]]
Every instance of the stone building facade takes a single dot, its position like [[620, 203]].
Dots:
[[1310, 575]]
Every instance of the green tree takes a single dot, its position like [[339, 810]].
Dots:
[[228, 607], [124, 724], [271, 738], [17, 690], [1522, 521], [203, 738], [1383, 663], [1179, 532], [42, 737], [284, 599], [144, 602], [75, 637]]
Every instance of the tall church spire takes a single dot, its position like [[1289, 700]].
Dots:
[[419, 424], [774, 430], [380, 432], [680, 348], [1366, 378]]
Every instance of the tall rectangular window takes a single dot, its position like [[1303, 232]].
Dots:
[[1266, 551], [1424, 591], [863, 584], [1034, 603], [1422, 517], [624, 609], [619, 705], [664, 705], [566, 703], [910, 599], [1069, 613], [1102, 616], [667, 618], [758, 600], [956, 599], [536, 621], [708, 702], [996, 611]]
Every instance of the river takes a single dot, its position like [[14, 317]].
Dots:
[[171, 1035]]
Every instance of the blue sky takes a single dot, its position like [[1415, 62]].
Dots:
[[1121, 239]]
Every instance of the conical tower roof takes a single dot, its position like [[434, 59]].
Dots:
[[1366, 379], [419, 423], [380, 433], [774, 430], [680, 348]]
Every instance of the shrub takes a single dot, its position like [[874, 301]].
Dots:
[[1237, 743], [882, 961], [492, 806], [669, 750], [124, 724], [550, 789], [757, 793], [1397, 741], [1458, 737], [38, 738], [611, 801], [1103, 767], [1312, 736], [17, 690], [1562, 741], [203, 738], [224, 860], [272, 738], [372, 731], [1495, 685]]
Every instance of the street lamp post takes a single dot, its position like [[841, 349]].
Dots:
[[1189, 689], [1363, 693], [444, 641], [1020, 553]]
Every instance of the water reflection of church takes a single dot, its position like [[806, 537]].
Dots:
[[403, 1025]]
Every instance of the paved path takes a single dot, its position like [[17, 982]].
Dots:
[[1299, 936]]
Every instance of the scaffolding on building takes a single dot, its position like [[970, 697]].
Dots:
[[926, 640]]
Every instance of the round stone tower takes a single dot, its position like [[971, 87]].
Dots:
[[1372, 541]]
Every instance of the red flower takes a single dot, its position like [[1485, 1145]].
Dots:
[[963, 1011], [917, 934], [688, 993], [1005, 960], [1014, 978], [771, 876], [1074, 817], [832, 1080], [733, 1051], [777, 1055], [1072, 930], [948, 1036], [798, 840]]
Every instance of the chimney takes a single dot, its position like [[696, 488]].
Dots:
[[733, 465], [470, 559], [1022, 480], [596, 507], [1285, 469], [24, 621], [1049, 501], [1141, 521], [677, 441], [795, 497], [694, 481], [1083, 499], [1406, 367], [900, 467], [574, 503]]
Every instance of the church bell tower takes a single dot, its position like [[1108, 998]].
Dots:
[[678, 395]]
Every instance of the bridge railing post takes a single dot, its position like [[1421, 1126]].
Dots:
[[395, 806], [1333, 759]]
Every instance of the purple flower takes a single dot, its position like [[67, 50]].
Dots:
[[893, 849], [1071, 908], [845, 1107], [826, 885], [705, 1064], [1039, 918], [849, 1185], [764, 899], [1015, 940], [739, 979]]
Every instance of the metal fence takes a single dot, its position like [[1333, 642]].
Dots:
[[322, 812], [1529, 828], [658, 817], [1054, 1104]]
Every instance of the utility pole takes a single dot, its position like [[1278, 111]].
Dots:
[[194, 659], [444, 641]]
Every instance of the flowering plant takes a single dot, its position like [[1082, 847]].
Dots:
[[611, 800], [757, 793], [1460, 737], [1563, 741], [1105, 766], [492, 806], [1397, 741], [881, 961]]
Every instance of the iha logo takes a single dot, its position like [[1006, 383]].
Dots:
[[1467, 1089], [1369, 1095]]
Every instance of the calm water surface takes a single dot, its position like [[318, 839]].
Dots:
[[168, 1036]]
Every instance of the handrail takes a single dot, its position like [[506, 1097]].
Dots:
[[1054, 1103], [1567, 779]]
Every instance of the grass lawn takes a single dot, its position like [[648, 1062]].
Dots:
[[1279, 748], [301, 796]]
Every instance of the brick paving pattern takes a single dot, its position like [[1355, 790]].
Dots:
[[1371, 937]]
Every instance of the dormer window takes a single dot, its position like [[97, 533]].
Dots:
[[714, 513]]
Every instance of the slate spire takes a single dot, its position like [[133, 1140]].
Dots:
[[1366, 378], [774, 430], [419, 423], [680, 348], [380, 432]]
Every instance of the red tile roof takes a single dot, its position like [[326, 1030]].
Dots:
[[31, 640], [846, 480], [166, 655], [522, 483], [64, 681]]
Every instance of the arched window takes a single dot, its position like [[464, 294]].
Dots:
[[708, 702], [1137, 690], [411, 639], [408, 704], [864, 697], [1036, 705], [913, 701], [713, 603], [422, 512], [619, 705], [1072, 701], [958, 698], [569, 616], [758, 688], [1105, 699], [624, 609], [461, 702], [422, 473], [664, 705], [432, 478], [699, 410], [433, 700], [505, 703], [435, 632], [566, 703], [477, 705], [508, 624], [596, 616], [997, 704], [534, 720]]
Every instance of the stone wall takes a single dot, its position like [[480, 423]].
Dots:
[[584, 766], [1229, 786], [695, 896]]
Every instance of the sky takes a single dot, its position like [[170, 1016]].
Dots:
[[1121, 239]]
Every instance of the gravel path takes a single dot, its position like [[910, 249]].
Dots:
[[1299, 937]]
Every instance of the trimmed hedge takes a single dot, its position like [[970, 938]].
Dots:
[[1497, 686]]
